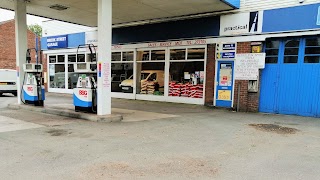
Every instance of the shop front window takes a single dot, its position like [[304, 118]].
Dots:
[[272, 51], [187, 75], [122, 72], [52, 59], [291, 51], [158, 55], [196, 53], [81, 58], [57, 76], [116, 56], [178, 54], [72, 58], [128, 56], [72, 77], [150, 72], [186, 79], [312, 50], [151, 81], [122, 77]]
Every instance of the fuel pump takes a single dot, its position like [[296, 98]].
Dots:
[[85, 94], [33, 91]]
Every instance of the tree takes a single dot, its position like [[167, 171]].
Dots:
[[36, 28]]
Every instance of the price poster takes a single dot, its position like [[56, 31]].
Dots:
[[224, 95]]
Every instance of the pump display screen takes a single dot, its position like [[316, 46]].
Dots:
[[28, 66], [37, 67], [81, 66]]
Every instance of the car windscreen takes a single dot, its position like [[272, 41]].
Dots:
[[144, 75]]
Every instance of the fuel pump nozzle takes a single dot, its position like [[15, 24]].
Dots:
[[28, 56]]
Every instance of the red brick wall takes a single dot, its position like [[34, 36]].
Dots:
[[248, 101], [8, 45], [210, 74]]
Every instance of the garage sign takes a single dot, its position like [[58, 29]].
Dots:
[[56, 42]]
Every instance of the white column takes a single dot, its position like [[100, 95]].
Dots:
[[104, 56], [21, 41]]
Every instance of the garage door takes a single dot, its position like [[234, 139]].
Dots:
[[290, 82]]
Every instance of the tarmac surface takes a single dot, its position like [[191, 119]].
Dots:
[[157, 141]]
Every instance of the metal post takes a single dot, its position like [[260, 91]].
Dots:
[[104, 56], [238, 100], [21, 42]]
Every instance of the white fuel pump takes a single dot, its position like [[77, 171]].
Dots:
[[32, 91], [85, 94]]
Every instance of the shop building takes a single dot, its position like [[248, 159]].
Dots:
[[196, 60]]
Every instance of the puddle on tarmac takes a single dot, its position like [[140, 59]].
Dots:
[[58, 132], [274, 128]]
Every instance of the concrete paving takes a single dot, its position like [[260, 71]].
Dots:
[[185, 142], [67, 110]]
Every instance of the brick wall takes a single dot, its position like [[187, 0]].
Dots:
[[248, 101], [210, 74], [8, 45]]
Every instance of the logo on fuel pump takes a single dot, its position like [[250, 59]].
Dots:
[[30, 89], [83, 92]]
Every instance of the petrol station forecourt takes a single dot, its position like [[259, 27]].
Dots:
[[188, 105]]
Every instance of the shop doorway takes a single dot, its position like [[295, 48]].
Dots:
[[224, 84]]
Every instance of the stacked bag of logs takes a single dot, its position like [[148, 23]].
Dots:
[[185, 90], [147, 87]]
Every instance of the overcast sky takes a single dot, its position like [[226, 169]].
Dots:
[[7, 15]]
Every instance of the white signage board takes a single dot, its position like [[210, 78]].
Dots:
[[92, 37], [241, 23], [246, 67], [261, 58], [52, 70]]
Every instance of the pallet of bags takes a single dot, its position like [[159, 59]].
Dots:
[[144, 87], [174, 89], [185, 90], [196, 95], [150, 92], [175, 94], [199, 86], [196, 91], [150, 88], [171, 85]]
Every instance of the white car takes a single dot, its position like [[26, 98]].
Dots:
[[8, 81]]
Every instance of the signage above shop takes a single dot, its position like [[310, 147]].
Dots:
[[226, 51], [163, 44], [295, 18], [318, 17], [92, 38], [227, 55], [241, 23], [229, 46], [55, 42]]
